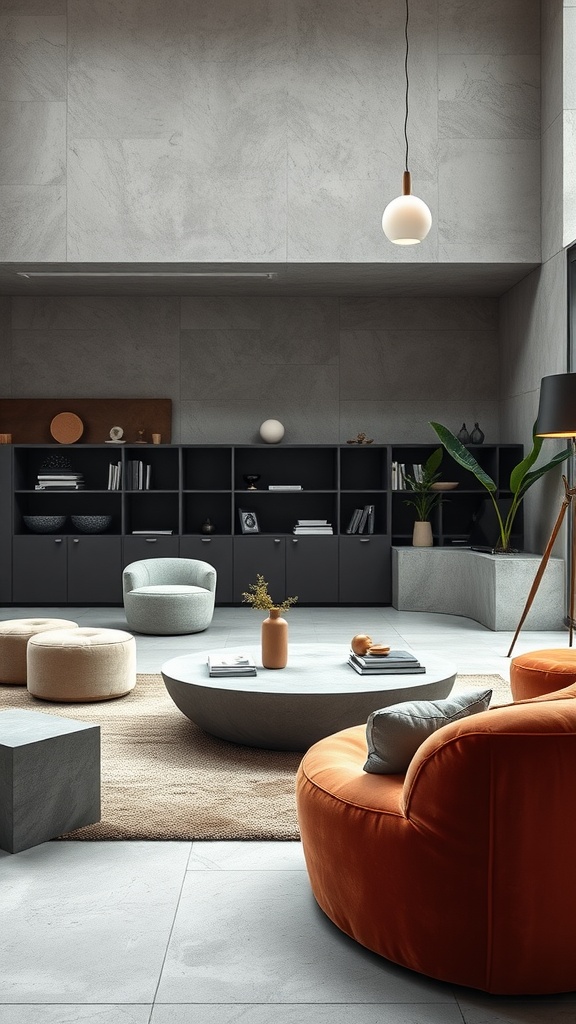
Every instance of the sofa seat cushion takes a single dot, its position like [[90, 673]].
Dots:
[[168, 590]]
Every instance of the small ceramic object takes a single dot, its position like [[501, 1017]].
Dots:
[[5, 438], [271, 431], [91, 524], [156, 438], [251, 479], [361, 439], [208, 527], [477, 435], [361, 643], [140, 438], [463, 435], [44, 524], [274, 640], [116, 433]]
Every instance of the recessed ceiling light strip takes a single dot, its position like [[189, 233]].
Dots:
[[143, 273]]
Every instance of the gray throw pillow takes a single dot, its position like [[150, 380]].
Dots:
[[394, 734]]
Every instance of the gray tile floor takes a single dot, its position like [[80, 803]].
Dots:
[[218, 933]]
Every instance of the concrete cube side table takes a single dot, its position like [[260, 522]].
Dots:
[[49, 777]]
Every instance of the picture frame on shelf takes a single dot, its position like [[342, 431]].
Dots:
[[248, 521]]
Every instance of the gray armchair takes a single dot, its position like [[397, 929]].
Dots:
[[168, 596]]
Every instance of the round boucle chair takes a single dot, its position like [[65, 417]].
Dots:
[[168, 596], [14, 637], [539, 672], [83, 664]]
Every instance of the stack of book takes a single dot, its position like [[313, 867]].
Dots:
[[362, 519], [285, 487], [139, 475], [401, 470], [235, 665], [59, 480], [114, 476], [312, 526], [393, 663]]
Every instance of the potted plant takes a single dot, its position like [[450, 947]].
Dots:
[[424, 499], [274, 628], [521, 478]]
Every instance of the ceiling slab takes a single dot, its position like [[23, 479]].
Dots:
[[288, 278]]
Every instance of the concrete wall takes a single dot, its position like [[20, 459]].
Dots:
[[326, 367], [269, 130], [533, 314]]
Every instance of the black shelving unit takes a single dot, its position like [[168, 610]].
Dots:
[[192, 483]]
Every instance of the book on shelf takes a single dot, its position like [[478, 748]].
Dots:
[[60, 476], [235, 665], [68, 486], [139, 475], [312, 522], [114, 476], [160, 532], [392, 671], [354, 520], [317, 530], [285, 487], [372, 662]]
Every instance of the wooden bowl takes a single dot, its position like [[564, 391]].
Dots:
[[444, 485], [66, 427]]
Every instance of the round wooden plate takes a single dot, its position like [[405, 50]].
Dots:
[[444, 485], [66, 427]]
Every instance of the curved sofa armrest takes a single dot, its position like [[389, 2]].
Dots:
[[135, 575], [205, 575]]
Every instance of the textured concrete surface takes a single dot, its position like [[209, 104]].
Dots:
[[489, 588], [49, 777]]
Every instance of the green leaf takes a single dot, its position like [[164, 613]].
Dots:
[[531, 478], [519, 472], [432, 463], [462, 456]]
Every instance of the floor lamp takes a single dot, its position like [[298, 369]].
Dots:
[[557, 418]]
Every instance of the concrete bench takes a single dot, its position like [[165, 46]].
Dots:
[[489, 588]]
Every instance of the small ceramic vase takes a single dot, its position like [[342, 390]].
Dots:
[[422, 535], [208, 527], [463, 435], [477, 435], [274, 640]]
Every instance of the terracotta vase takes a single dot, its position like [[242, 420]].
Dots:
[[422, 535], [274, 640]]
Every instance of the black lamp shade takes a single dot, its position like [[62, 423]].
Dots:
[[557, 409]]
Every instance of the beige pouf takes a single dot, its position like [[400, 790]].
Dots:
[[14, 637], [81, 664]]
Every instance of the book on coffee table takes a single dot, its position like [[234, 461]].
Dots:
[[402, 659], [405, 668], [235, 665]]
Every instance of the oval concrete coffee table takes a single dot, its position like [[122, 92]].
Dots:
[[291, 708]]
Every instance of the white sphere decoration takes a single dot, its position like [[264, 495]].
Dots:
[[271, 431]]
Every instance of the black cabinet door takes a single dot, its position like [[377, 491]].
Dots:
[[312, 569], [258, 554], [365, 570], [217, 551], [137, 548], [95, 570], [39, 570], [5, 524]]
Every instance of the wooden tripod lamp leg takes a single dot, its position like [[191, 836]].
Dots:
[[544, 562], [572, 570]]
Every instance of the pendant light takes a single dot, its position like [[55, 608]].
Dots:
[[406, 220]]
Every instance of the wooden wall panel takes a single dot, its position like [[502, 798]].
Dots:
[[28, 419]]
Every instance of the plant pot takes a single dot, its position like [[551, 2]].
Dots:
[[274, 640], [422, 535]]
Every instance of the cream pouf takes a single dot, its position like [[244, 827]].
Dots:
[[14, 637], [82, 664]]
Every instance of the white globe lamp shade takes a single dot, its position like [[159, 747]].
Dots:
[[271, 431], [406, 220]]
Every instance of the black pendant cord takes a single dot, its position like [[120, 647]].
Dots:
[[407, 83]]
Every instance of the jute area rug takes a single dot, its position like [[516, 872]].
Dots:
[[163, 778]]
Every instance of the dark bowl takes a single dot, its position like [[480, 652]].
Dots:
[[91, 524], [44, 524]]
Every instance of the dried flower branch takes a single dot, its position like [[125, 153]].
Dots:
[[261, 600]]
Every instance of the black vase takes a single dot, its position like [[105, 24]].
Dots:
[[463, 435], [477, 435]]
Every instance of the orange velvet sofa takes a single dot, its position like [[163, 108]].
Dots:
[[464, 869]]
